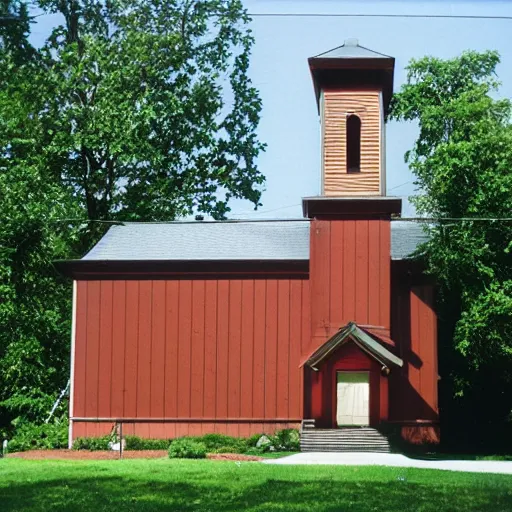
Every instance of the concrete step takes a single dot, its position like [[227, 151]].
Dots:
[[363, 439]]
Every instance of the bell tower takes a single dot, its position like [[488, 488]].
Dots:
[[353, 88]]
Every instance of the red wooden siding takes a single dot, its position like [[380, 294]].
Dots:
[[350, 275], [414, 387], [190, 356]]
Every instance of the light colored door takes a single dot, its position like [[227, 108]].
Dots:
[[353, 404]]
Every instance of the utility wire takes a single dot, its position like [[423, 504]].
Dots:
[[404, 219], [345, 15]]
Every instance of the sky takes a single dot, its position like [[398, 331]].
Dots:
[[290, 123]]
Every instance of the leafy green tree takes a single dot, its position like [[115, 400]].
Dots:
[[462, 160], [131, 110], [146, 108]]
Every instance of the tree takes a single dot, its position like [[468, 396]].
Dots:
[[146, 108], [462, 161], [131, 110]]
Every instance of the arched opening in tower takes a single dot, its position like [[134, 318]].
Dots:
[[353, 143]]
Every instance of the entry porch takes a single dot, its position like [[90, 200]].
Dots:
[[346, 380]]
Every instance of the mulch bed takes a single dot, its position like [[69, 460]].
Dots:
[[110, 455]]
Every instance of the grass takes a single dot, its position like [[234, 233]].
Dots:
[[275, 455], [162, 484], [457, 456]]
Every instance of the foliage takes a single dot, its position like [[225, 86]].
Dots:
[[286, 440], [163, 484], [144, 108], [129, 110], [35, 310], [186, 448], [45, 436], [139, 443], [93, 444], [462, 160]]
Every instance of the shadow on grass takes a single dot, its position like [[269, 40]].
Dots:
[[126, 494]]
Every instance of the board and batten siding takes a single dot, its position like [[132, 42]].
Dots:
[[350, 275], [191, 356], [415, 331], [337, 106]]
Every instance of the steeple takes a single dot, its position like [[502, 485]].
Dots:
[[353, 87]]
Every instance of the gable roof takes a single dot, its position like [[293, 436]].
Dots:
[[361, 338], [228, 240]]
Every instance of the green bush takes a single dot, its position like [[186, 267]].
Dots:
[[286, 440], [187, 448], [46, 436], [92, 444], [253, 440], [220, 443], [139, 443]]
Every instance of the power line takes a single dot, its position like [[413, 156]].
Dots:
[[454, 219], [345, 15]]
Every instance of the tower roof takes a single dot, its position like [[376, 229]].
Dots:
[[351, 49], [351, 65]]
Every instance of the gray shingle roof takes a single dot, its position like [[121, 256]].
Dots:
[[351, 50], [244, 240], [405, 238], [270, 240]]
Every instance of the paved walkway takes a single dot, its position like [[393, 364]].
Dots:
[[394, 460]]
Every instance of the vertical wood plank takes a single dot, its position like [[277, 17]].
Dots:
[[184, 345], [210, 380], [306, 316], [80, 355], [197, 348], [222, 348], [414, 373], [374, 273], [105, 350], [349, 271], [321, 241], [171, 348], [295, 348], [118, 347], [92, 348], [336, 277], [258, 402], [361, 271], [271, 350], [385, 273], [157, 377], [283, 347], [247, 349], [235, 326], [144, 352], [131, 349]]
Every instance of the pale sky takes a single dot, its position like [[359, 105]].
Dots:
[[279, 69]]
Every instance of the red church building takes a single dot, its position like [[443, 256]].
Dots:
[[243, 327]]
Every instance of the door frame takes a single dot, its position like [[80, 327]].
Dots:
[[335, 397]]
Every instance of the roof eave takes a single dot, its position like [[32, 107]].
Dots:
[[168, 269]]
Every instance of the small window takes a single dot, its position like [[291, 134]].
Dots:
[[353, 143]]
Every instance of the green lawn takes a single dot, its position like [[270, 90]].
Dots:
[[227, 486]]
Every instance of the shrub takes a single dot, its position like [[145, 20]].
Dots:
[[186, 448], [93, 444], [45, 436], [253, 440], [286, 440], [138, 443], [220, 443]]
